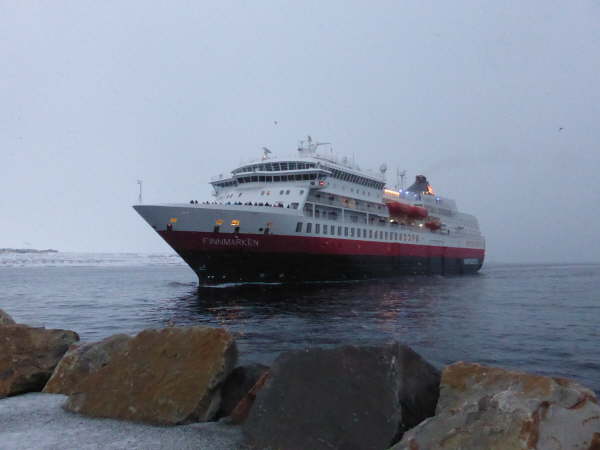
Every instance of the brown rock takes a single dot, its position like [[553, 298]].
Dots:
[[493, 408], [168, 376], [81, 361], [29, 355], [5, 318]]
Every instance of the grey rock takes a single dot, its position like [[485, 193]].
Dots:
[[342, 398]]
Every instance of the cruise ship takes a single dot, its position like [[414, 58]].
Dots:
[[316, 217]]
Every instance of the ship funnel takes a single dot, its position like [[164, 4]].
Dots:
[[421, 185]]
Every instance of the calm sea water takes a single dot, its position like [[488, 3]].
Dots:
[[540, 318]]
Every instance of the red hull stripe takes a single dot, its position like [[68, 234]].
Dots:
[[193, 241]]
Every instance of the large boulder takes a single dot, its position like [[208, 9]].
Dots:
[[29, 355], [342, 398], [5, 318], [165, 377], [83, 360], [237, 386], [493, 408]]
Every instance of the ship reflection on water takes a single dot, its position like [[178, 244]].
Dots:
[[423, 312]]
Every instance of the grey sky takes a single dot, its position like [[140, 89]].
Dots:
[[94, 95]]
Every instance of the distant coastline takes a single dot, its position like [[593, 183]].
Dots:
[[26, 250]]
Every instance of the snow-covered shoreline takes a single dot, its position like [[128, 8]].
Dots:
[[38, 421]]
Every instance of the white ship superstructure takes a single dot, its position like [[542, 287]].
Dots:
[[315, 216]]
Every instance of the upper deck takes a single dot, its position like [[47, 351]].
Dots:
[[324, 184]]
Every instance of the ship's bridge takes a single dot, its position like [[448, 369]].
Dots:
[[310, 170]]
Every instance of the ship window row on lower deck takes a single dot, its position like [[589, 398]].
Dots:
[[344, 231]]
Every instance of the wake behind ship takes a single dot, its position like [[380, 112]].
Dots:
[[316, 217]]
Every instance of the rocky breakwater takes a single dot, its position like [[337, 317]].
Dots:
[[165, 377], [349, 397], [493, 408], [28, 355]]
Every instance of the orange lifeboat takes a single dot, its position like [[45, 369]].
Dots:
[[399, 208], [433, 225]]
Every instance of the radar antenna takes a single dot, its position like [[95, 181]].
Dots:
[[308, 146], [266, 153], [383, 169], [400, 179]]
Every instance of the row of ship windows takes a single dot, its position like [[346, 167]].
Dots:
[[281, 192], [272, 167], [277, 178], [339, 174], [344, 176], [334, 230], [353, 202]]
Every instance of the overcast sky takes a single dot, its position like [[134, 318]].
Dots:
[[498, 103]]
